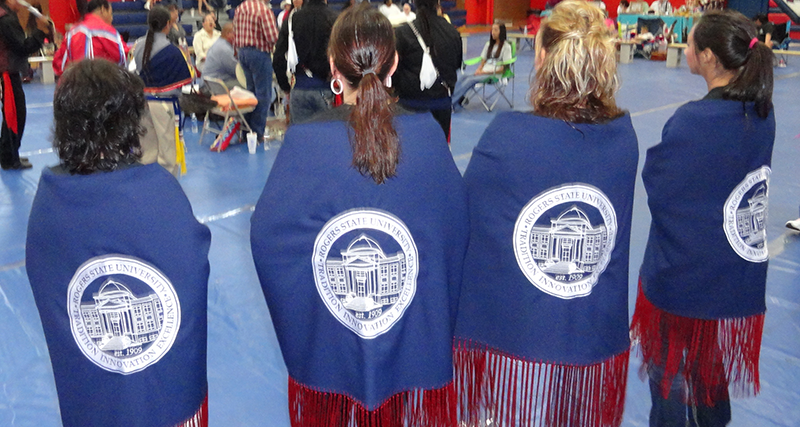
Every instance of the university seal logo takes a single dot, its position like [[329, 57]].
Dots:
[[745, 215], [365, 268], [124, 313], [563, 239]]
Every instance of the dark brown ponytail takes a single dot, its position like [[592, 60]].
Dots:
[[157, 19], [362, 46], [732, 38]]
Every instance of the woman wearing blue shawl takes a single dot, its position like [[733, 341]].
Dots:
[[358, 241], [542, 330], [164, 69], [700, 310], [118, 264]]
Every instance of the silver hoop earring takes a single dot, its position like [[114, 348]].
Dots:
[[388, 81], [336, 86]]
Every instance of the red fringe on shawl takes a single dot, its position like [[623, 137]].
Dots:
[[512, 391], [200, 418], [415, 408], [710, 354]]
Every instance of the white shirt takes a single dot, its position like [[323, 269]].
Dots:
[[491, 65], [661, 7], [202, 43], [393, 13]]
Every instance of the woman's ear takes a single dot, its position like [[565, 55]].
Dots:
[[394, 66], [333, 67], [539, 59]]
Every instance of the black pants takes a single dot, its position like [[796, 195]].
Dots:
[[9, 141]]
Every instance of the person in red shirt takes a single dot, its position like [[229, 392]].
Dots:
[[94, 37]]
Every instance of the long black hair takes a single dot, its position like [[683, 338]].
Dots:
[[730, 36], [426, 12], [157, 19], [501, 39]]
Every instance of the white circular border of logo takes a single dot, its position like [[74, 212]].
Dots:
[[106, 265], [358, 219], [542, 203], [729, 225]]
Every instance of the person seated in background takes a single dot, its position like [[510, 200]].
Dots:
[[495, 53], [176, 35], [661, 7], [533, 21], [221, 62], [203, 40], [103, 228], [407, 13], [392, 12], [765, 29], [636, 7], [164, 69]]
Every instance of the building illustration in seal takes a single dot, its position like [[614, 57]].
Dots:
[[118, 320], [570, 245], [751, 219], [365, 278]]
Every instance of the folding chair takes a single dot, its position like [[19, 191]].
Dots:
[[496, 84], [781, 40], [218, 87]]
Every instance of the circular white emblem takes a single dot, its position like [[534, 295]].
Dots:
[[124, 313], [563, 239], [746, 216], [365, 267]]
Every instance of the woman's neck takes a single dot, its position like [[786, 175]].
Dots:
[[718, 78]]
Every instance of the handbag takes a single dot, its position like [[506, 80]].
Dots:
[[196, 103], [427, 72], [291, 52]]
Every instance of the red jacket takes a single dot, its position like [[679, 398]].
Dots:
[[105, 43]]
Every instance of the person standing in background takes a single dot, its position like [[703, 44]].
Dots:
[[14, 51], [94, 37], [255, 34], [310, 28], [444, 44]]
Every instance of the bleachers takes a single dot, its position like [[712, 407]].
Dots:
[[131, 17]]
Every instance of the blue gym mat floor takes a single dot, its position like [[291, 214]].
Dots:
[[246, 374]]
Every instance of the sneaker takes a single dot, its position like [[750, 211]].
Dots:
[[18, 166], [782, 63], [794, 225]]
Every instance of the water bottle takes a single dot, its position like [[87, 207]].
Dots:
[[194, 123]]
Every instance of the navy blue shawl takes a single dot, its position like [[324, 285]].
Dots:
[[312, 182], [141, 217], [522, 157], [690, 268]]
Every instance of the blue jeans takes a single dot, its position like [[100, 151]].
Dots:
[[675, 412], [257, 66], [466, 83], [305, 103]]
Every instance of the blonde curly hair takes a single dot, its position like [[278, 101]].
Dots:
[[577, 79]]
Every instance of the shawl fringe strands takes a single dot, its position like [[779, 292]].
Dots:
[[200, 418], [415, 408], [717, 352], [512, 391]]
